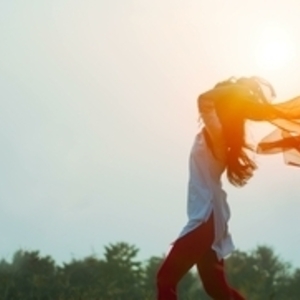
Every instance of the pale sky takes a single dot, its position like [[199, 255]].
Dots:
[[98, 114]]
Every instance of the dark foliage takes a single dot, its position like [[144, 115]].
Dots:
[[259, 275]]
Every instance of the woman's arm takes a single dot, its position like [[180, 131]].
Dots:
[[213, 126], [238, 101]]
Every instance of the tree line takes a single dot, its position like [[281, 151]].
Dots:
[[119, 275]]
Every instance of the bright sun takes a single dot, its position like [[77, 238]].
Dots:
[[274, 49]]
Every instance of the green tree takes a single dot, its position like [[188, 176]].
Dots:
[[292, 286], [29, 276], [82, 279], [123, 273], [150, 270], [259, 275]]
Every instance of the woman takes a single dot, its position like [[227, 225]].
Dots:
[[220, 146]]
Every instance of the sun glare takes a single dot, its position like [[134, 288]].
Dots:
[[274, 49]]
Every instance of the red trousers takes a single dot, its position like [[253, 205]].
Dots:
[[195, 249]]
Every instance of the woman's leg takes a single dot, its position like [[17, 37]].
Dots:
[[185, 252], [212, 273]]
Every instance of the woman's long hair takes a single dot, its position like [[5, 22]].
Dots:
[[240, 166]]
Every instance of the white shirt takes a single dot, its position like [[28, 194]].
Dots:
[[205, 193]]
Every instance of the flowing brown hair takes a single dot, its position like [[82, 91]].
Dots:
[[233, 112]]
